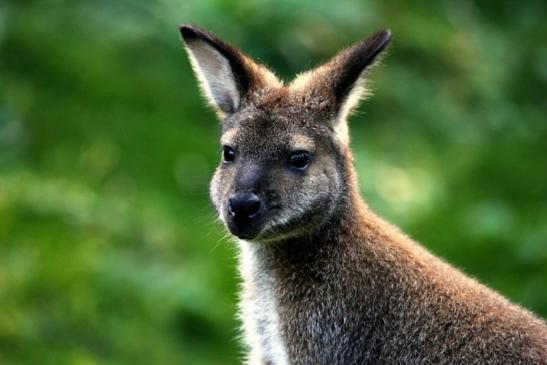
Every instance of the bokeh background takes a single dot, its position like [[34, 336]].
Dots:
[[109, 250]]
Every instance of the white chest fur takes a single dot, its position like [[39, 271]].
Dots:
[[258, 309]]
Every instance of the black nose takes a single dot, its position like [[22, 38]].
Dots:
[[244, 205]]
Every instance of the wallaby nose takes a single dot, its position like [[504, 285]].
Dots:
[[244, 205]]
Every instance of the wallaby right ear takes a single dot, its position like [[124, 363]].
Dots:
[[226, 75]]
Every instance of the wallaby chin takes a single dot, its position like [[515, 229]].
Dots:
[[325, 280]]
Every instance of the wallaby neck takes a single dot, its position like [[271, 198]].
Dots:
[[277, 276]]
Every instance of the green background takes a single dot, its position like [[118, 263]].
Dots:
[[109, 250]]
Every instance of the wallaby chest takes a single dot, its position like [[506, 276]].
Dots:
[[294, 312], [259, 308]]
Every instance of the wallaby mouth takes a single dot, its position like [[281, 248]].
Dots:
[[244, 229]]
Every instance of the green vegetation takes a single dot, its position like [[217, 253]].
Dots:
[[109, 249]]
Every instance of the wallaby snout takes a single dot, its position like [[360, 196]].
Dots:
[[244, 206], [244, 212]]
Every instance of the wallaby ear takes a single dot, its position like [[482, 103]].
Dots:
[[226, 75], [339, 83]]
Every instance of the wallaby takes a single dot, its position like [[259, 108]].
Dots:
[[325, 280]]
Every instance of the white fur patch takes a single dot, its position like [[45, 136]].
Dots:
[[258, 309], [301, 142], [215, 76], [302, 80], [341, 131], [228, 137]]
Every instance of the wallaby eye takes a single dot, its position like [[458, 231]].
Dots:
[[228, 154], [299, 160]]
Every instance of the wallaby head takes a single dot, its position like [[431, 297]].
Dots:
[[285, 165]]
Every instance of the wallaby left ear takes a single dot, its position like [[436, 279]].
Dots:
[[225, 73], [339, 81]]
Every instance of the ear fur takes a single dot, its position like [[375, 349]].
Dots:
[[348, 66], [339, 83], [226, 75]]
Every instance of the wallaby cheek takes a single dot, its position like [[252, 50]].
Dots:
[[327, 186], [314, 194]]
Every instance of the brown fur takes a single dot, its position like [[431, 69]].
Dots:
[[326, 281]]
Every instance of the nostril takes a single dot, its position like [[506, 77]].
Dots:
[[254, 209], [231, 209], [244, 205]]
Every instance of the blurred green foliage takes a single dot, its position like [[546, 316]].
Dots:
[[109, 250]]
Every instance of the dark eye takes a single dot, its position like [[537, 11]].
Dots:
[[299, 160], [228, 154]]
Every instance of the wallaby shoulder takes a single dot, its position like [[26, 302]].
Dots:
[[374, 296]]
